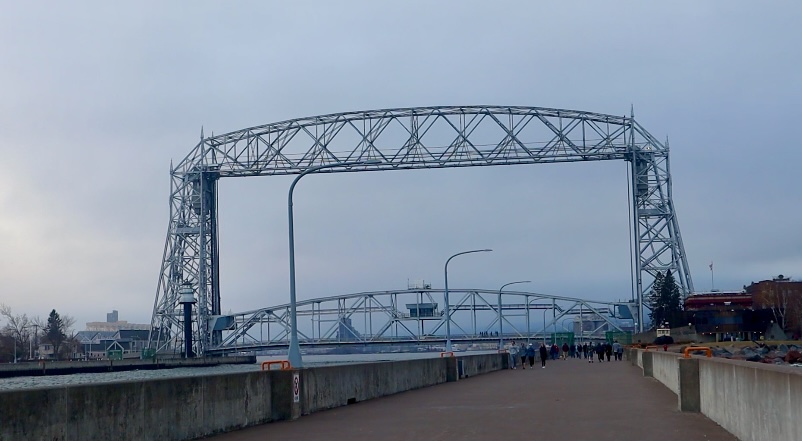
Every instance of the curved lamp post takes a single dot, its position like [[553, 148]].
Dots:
[[294, 353], [448, 311], [500, 320]]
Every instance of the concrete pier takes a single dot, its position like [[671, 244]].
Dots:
[[570, 399]]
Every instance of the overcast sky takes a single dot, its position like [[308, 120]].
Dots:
[[97, 98]]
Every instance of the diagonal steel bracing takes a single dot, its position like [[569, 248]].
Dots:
[[407, 138]]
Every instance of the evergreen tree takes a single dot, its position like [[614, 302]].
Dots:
[[672, 300], [656, 313], [665, 301], [55, 332]]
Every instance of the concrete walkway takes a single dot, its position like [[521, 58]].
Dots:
[[569, 400]]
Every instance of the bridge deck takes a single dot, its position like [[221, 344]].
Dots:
[[570, 400]]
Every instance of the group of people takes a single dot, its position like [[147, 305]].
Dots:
[[588, 351]]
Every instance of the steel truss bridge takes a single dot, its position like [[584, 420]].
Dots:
[[399, 139], [416, 317]]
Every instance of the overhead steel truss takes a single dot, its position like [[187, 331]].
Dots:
[[396, 317], [410, 138]]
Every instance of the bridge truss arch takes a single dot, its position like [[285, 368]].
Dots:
[[415, 317], [406, 138]]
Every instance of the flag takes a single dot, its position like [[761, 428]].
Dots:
[[711, 265]]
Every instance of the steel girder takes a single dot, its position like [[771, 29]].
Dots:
[[408, 138], [380, 318]]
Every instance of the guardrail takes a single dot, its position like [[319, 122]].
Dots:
[[284, 365], [687, 352]]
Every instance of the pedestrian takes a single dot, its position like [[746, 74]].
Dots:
[[565, 351], [530, 354], [600, 351], [513, 351], [618, 349], [522, 354], [585, 350], [543, 355], [608, 350], [554, 351]]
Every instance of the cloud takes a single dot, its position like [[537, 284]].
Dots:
[[99, 99]]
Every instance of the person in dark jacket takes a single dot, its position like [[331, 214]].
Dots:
[[565, 351], [608, 350], [530, 354], [544, 354], [600, 351]]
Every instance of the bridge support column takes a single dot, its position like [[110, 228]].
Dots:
[[689, 396], [648, 365]]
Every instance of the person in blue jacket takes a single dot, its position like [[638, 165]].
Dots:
[[530, 354]]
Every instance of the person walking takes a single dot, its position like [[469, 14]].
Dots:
[[565, 351], [530, 354], [554, 351], [608, 350], [618, 350], [522, 354], [513, 351], [543, 355], [600, 351], [585, 350]]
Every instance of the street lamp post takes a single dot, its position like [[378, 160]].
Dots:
[[294, 353], [500, 318], [448, 310]]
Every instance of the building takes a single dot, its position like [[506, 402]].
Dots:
[[726, 315], [113, 324], [99, 344], [119, 336], [782, 297]]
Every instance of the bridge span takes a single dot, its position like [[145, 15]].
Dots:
[[416, 317]]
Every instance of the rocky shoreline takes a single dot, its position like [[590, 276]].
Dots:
[[763, 353]]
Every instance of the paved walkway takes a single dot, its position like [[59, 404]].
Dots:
[[569, 400]]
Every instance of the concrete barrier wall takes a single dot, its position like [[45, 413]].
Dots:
[[194, 407], [334, 386], [165, 409], [752, 401], [665, 369], [481, 364]]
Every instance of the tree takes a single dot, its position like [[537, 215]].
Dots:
[[665, 301], [18, 327], [55, 331]]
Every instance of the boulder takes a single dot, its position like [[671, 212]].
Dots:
[[793, 357], [754, 357]]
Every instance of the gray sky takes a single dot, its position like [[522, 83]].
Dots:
[[96, 99]]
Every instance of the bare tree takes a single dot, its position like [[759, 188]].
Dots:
[[17, 327], [778, 299]]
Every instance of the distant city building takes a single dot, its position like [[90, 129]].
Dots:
[[114, 324]]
